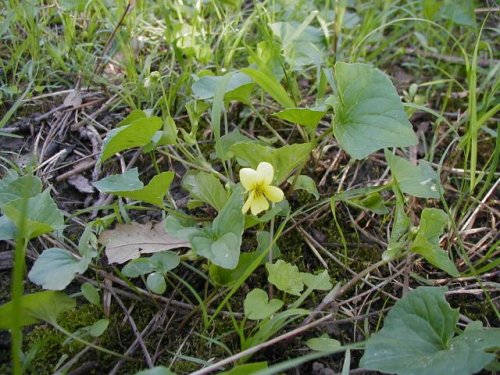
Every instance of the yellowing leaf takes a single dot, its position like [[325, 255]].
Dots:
[[129, 241]]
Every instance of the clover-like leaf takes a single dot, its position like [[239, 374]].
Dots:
[[369, 115], [257, 305], [286, 277], [418, 339]]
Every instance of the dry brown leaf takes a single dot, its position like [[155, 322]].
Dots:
[[81, 183], [129, 241]]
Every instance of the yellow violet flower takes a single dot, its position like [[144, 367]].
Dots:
[[258, 184]]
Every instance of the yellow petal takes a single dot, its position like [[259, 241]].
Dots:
[[249, 178], [265, 171], [274, 194], [248, 203], [259, 204]]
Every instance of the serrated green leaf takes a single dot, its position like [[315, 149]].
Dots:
[[43, 216], [369, 115], [417, 339], [46, 306], [55, 268], [286, 277], [257, 305], [136, 134], [206, 188], [426, 243], [421, 181]]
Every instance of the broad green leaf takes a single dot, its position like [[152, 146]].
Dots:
[[284, 159], [239, 87], [323, 344], [136, 114], [306, 183], [224, 251], [229, 278], [98, 328], [91, 294], [459, 11], [246, 369], [373, 202], [7, 229], [73, 5], [165, 261], [417, 339], [138, 267], [369, 115], [183, 229], [55, 268], [136, 134], [320, 281], [400, 228], [221, 242], [127, 181], [309, 117], [229, 139], [258, 306], [43, 216], [156, 283], [152, 193], [364, 198], [46, 306], [286, 277], [206, 188], [265, 79], [158, 370], [426, 243], [128, 185], [421, 181], [230, 218], [13, 187], [302, 44]]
